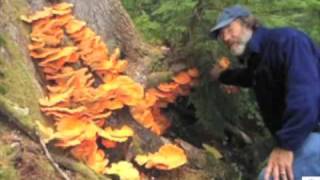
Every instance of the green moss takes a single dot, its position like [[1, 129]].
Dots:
[[157, 64], [7, 156], [218, 169], [3, 89], [74, 165], [44, 166], [19, 83], [158, 77], [136, 145], [2, 41], [8, 173]]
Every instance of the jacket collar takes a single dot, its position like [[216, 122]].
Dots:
[[257, 41], [255, 44]]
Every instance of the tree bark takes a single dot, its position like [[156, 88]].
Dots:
[[22, 87]]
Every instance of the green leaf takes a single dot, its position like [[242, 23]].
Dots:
[[213, 151]]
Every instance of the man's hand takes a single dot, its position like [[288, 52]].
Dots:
[[215, 72], [280, 165], [222, 64]]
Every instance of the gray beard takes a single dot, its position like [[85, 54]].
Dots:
[[239, 48]]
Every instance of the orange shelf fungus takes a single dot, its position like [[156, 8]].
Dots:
[[61, 12], [64, 52], [224, 63], [42, 52], [116, 135], [62, 6], [47, 133], [45, 13], [86, 82], [84, 34], [193, 72], [108, 144], [168, 87], [148, 112], [182, 78], [168, 157], [56, 98], [124, 170], [88, 152], [74, 26]]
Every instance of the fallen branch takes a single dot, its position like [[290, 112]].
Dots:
[[78, 167], [238, 133], [54, 164]]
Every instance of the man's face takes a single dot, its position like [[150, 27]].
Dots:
[[235, 36]]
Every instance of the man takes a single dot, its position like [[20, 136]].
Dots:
[[282, 66]]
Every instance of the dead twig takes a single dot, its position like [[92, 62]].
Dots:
[[54, 164]]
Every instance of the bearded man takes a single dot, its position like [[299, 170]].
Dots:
[[282, 65]]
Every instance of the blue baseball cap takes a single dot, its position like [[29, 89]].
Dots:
[[228, 15]]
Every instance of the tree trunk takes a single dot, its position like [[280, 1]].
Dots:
[[21, 87]]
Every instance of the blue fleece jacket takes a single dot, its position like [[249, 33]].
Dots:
[[283, 68]]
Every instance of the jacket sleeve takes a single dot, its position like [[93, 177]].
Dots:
[[302, 96], [237, 76]]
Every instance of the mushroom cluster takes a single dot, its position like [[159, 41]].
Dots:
[[86, 83], [168, 157], [148, 111]]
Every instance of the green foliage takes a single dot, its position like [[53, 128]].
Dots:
[[183, 22], [303, 15], [161, 21], [212, 106], [158, 63], [150, 29], [204, 101]]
